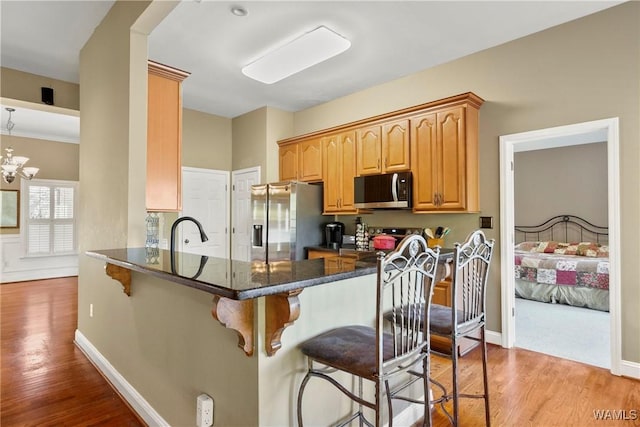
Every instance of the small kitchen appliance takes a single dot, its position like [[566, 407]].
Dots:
[[333, 234]]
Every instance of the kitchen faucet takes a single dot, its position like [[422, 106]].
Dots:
[[203, 236]]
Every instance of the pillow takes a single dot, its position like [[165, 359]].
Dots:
[[590, 249], [548, 247], [527, 246], [567, 249]]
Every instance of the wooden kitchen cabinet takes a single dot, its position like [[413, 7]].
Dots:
[[395, 146], [164, 138], [317, 253], [444, 158], [442, 293], [288, 156], [369, 150], [383, 148], [339, 167], [437, 141], [310, 160], [301, 161]]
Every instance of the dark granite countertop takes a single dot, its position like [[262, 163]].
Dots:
[[237, 280]]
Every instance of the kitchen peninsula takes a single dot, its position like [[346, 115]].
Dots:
[[258, 301], [235, 283]]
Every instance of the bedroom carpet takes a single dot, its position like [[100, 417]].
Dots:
[[572, 333]]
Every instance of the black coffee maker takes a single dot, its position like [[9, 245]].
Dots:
[[333, 234]]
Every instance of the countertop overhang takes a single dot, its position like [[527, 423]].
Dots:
[[237, 280]]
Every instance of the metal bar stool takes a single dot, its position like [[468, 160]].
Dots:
[[466, 316], [405, 282]]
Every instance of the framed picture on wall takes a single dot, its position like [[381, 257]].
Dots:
[[10, 209]]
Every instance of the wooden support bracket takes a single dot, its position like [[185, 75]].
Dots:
[[281, 310], [236, 315], [121, 274]]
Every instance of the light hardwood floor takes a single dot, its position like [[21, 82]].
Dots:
[[47, 381]]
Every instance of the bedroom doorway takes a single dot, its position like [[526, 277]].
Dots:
[[562, 136]]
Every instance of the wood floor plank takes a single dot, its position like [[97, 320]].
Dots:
[[533, 389], [45, 379]]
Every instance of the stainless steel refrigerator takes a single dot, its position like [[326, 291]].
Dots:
[[287, 217]]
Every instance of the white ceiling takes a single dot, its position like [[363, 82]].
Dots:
[[389, 40]]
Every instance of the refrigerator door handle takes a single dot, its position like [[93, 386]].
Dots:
[[256, 238]]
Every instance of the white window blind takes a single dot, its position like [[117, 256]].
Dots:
[[51, 212]]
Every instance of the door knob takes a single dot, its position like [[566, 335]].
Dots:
[[186, 240]]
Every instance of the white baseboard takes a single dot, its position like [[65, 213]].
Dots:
[[135, 400], [630, 369], [49, 273], [493, 337]]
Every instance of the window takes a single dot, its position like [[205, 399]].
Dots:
[[50, 216]]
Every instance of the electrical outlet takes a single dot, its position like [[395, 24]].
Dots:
[[90, 310], [204, 411], [486, 222]]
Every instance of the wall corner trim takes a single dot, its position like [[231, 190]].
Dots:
[[130, 394]]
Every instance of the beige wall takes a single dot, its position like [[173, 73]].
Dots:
[[583, 70], [249, 141], [557, 181], [56, 160], [255, 140], [206, 140], [26, 87], [279, 126]]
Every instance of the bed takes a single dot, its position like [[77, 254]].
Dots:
[[564, 260]]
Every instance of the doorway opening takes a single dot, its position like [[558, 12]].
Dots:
[[562, 136]]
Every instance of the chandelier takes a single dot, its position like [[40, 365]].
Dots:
[[14, 165]]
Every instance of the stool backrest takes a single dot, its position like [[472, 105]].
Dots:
[[470, 274], [405, 285]]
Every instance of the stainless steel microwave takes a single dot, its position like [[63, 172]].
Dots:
[[387, 191]]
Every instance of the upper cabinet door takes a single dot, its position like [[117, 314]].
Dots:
[[332, 173], [423, 161], [347, 158], [368, 150], [310, 160], [444, 160], [452, 159], [288, 162], [395, 146], [164, 138]]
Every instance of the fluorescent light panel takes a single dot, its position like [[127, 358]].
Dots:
[[305, 51]]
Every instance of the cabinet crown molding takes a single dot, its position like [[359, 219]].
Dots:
[[464, 98]]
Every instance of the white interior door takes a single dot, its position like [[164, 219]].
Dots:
[[242, 180], [205, 198]]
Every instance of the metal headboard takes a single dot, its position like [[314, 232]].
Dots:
[[563, 228]]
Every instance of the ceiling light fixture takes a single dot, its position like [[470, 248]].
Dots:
[[305, 51], [14, 165]]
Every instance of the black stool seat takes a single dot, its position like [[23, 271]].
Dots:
[[349, 348]]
